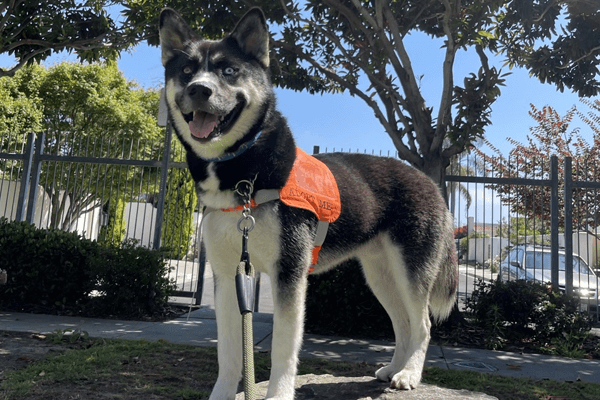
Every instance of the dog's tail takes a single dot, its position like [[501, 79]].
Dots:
[[443, 294]]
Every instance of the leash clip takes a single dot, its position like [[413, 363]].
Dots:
[[245, 258]]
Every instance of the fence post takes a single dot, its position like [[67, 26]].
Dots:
[[554, 222], [160, 207], [569, 225], [24, 189], [36, 169]]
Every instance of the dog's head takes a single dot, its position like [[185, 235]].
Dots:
[[216, 91]]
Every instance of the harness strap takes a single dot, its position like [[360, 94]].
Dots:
[[264, 196], [310, 186]]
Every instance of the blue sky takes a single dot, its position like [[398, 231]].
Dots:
[[341, 121]]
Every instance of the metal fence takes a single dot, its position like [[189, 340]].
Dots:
[[106, 190], [526, 219], [534, 219]]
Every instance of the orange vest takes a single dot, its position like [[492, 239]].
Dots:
[[310, 186]]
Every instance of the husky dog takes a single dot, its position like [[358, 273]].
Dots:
[[391, 217]]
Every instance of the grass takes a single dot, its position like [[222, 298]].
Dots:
[[504, 387], [100, 369]]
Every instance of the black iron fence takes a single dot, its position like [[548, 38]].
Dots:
[[511, 222], [106, 190]]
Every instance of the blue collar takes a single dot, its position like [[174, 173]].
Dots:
[[239, 151]]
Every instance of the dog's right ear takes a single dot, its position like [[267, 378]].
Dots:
[[174, 33]]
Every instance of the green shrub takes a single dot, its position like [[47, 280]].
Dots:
[[180, 204], [63, 271], [339, 302], [132, 281], [44, 267], [114, 232], [526, 311]]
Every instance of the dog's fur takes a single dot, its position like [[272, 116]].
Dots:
[[393, 218]]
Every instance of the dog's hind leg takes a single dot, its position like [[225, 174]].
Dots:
[[407, 306], [229, 345]]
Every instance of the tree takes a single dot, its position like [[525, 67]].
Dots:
[[359, 47], [180, 204], [31, 30], [525, 230], [551, 137], [85, 111]]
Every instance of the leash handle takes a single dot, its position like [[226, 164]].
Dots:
[[245, 284]]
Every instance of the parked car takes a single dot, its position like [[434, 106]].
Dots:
[[533, 263]]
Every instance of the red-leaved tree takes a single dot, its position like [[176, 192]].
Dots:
[[552, 136]]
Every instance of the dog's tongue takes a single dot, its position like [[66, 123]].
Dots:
[[202, 124]]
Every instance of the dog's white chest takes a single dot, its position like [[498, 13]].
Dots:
[[223, 240]]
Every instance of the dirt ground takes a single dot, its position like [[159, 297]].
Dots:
[[18, 349], [150, 374]]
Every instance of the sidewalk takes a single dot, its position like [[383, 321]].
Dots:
[[199, 328]]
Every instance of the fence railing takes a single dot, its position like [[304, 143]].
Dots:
[[542, 224], [113, 191], [106, 190]]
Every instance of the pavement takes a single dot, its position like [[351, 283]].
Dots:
[[199, 328]]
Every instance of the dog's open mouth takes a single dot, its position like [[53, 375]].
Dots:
[[204, 125]]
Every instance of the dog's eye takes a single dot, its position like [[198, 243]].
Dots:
[[187, 70], [229, 71]]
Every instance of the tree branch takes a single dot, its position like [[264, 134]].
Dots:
[[592, 51], [385, 91], [538, 19], [22, 61], [444, 113], [336, 78], [78, 44], [372, 36], [415, 104]]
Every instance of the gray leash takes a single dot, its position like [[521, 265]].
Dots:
[[245, 284]]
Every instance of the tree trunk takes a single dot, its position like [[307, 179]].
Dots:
[[435, 167]]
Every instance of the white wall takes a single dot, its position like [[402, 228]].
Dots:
[[140, 220], [9, 196], [483, 249]]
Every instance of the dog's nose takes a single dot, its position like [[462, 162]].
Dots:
[[200, 90]]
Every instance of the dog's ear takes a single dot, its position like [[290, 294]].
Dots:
[[252, 35], [174, 32]]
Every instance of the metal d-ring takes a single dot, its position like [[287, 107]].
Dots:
[[249, 188], [250, 226]]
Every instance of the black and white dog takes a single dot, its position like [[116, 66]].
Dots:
[[389, 216]]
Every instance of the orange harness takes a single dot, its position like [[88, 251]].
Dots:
[[310, 186]]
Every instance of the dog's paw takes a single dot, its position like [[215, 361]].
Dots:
[[404, 380]]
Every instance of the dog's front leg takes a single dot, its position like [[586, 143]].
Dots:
[[288, 328], [229, 331]]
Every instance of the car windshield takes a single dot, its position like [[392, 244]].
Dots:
[[541, 260], [515, 255]]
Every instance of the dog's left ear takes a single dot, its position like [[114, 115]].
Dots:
[[252, 35]]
